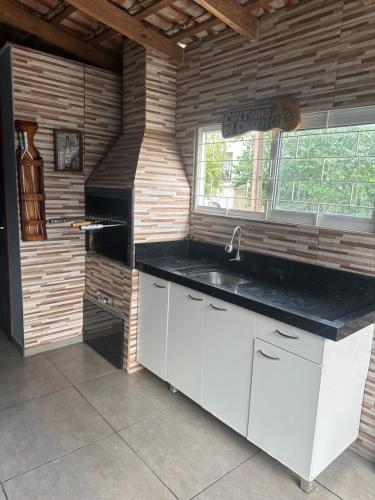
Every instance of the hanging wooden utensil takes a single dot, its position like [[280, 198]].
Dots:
[[31, 183]]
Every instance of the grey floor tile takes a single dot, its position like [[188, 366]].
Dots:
[[22, 380], [351, 477], [34, 432], [2, 496], [80, 363], [3, 341], [187, 448], [125, 399], [8, 352], [105, 470], [261, 478]]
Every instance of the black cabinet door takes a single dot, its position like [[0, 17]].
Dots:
[[103, 331]]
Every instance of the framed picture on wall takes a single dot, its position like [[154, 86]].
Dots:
[[68, 150]]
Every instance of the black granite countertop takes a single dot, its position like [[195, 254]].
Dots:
[[329, 303]]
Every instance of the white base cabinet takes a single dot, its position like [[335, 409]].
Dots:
[[304, 413], [294, 394]]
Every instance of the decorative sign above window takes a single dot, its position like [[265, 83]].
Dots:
[[282, 113]]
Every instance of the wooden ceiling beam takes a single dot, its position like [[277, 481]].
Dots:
[[19, 18], [116, 18], [233, 15], [153, 9]]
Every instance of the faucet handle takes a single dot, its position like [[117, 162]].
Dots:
[[229, 248]]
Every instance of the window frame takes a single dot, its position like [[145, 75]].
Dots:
[[320, 119]]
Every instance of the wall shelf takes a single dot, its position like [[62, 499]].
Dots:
[[31, 184]]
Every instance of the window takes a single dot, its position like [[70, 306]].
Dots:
[[321, 174]]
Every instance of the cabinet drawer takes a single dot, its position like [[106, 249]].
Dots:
[[290, 338]]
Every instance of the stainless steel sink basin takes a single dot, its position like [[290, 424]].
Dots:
[[220, 278]]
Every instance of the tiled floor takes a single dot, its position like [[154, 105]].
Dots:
[[74, 428]]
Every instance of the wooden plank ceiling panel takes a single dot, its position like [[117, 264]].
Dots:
[[117, 19], [196, 29], [64, 13], [153, 9], [96, 26], [18, 17]]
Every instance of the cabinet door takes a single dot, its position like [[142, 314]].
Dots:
[[283, 406], [227, 365], [185, 340], [152, 323]]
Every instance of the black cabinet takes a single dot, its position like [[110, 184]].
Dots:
[[103, 331]]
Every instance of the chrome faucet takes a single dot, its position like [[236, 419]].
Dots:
[[229, 246]]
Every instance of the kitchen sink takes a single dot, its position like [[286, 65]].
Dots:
[[220, 278]]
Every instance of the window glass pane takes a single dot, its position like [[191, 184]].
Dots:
[[325, 144], [366, 143], [296, 196], [328, 171], [233, 173]]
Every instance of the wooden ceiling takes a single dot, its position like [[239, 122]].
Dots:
[[92, 30]]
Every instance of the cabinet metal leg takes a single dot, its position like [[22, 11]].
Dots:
[[306, 486], [172, 389]]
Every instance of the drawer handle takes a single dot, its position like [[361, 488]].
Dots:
[[198, 299], [217, 308], [159, 286], [268, 355], [294, 337]]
